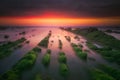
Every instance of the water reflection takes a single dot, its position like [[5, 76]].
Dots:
[[78, 68]]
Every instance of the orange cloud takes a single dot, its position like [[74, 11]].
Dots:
[[37, 21]]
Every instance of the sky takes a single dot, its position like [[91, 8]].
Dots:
[[59, 12]]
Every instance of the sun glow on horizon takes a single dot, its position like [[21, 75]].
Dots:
[[36, 21]]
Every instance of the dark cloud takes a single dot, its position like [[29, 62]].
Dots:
[[91, 8]]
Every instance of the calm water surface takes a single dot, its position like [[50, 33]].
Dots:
[[78, 68]]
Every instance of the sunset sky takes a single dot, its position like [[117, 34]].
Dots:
[[59, 12]]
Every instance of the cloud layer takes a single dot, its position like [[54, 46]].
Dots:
[[78, 8]]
